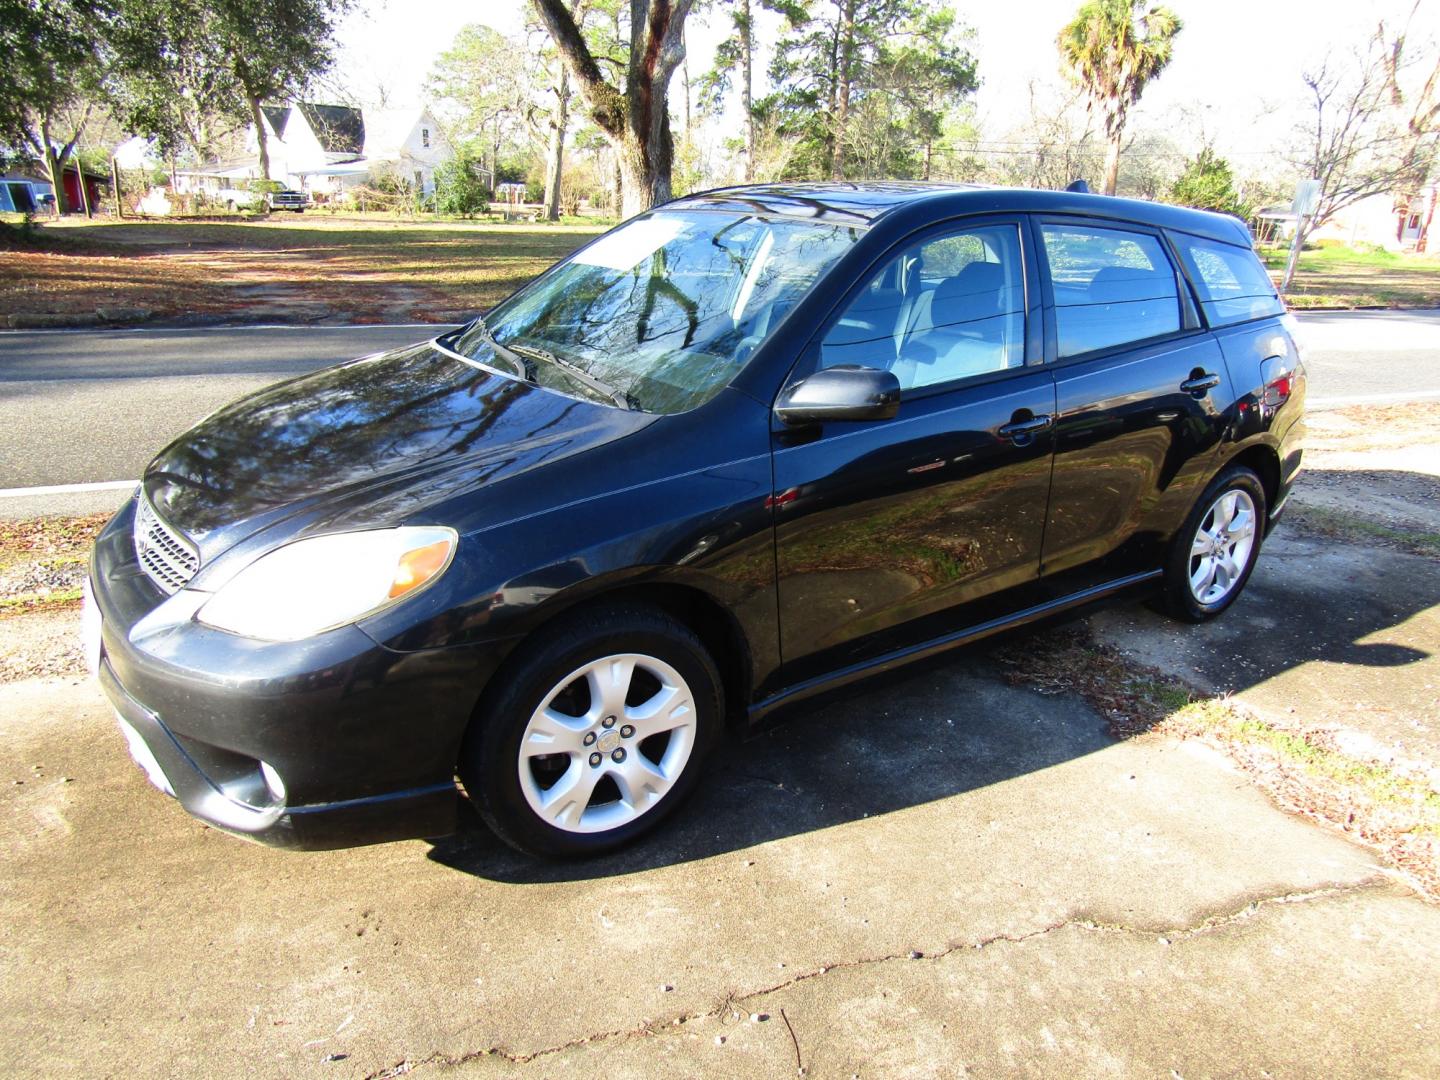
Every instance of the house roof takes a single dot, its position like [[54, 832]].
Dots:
[[339, 128], [278, 116]]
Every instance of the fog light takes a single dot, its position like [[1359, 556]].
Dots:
[[273, 782]]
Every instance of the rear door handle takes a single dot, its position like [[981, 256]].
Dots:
[[1200, 383], [1019, 429]]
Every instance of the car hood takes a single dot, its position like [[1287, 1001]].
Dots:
[[368, 443]]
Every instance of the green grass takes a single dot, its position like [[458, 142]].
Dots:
[[1377, 783], [1348, 526], [1333, 275]]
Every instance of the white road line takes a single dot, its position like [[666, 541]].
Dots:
[[67, 489]]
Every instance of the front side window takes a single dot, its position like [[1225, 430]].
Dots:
[[1233, 286], [1112, 287], [944, 309], [663, 311]]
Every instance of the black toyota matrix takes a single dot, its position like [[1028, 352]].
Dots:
[[751, 445]]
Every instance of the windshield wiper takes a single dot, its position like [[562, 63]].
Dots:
[[524, 368], [580, 375]]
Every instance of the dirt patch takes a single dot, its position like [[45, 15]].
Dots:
[[304, 271], [42, 563]]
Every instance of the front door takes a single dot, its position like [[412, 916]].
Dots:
[[892, 532]]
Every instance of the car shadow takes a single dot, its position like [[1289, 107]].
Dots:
[[938, 729], [954, 724]]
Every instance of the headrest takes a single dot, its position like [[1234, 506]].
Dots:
[[977, 285]]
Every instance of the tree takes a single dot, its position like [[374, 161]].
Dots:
[[559, 95], [1359, 140], [1207, 183], [172, 81], [459, 189], [1054, 146], [276, 47], [485, 91], [50, 79], [190, 72], [1113, 49], [864, 87], [635, 117], [1423, 104], [735, 60]]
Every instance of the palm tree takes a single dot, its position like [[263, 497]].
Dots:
[[1113, 48]]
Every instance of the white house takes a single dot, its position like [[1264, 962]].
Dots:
[[325, 149], [1393, 222]]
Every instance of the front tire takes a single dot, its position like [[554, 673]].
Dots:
[[596, 734], [1215, 551]]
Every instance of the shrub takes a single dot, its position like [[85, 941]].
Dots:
[[459, 191]]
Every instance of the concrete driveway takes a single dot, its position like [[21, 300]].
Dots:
[[941, 874]]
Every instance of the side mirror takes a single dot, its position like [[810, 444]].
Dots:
[[846, 392]]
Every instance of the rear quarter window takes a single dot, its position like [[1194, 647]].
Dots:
[[1232, 284]]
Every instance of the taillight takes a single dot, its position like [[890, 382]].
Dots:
[[1277, 391]]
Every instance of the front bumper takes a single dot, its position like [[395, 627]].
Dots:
[[360, 741]]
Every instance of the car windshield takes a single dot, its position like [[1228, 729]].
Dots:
[[661, 313]]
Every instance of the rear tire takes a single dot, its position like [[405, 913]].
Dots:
[[595, 733], [1214, 552]]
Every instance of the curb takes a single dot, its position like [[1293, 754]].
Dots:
[[104, 315]]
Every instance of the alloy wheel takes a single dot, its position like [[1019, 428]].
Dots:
[[1220, 550], [607, 743]]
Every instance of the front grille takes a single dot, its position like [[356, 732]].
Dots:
[[165, 555]]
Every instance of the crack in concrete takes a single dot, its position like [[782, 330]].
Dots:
[[1168, 935]]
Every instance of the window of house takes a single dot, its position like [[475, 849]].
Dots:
[[1232, 284], [942, 310], [1112, 287], [425, 137], [419, 180]]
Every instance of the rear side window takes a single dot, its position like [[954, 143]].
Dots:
[[1232, 284], [1112, 287]]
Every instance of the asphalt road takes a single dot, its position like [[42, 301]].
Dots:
[[94, 406], [80, 407]]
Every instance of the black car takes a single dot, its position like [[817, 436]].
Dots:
[[755, 444]]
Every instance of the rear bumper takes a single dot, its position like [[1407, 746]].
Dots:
[[359, 741]]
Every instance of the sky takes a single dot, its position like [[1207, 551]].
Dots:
[[1235, 78]]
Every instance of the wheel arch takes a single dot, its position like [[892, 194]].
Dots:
[[718, 629], [1263, 460]]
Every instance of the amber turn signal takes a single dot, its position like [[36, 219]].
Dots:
[[419, 566]]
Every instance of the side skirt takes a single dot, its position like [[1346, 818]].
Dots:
[[900, 657]]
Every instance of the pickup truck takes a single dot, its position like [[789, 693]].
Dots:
[[246, 199]]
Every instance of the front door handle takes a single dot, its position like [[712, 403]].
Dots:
[[1023, 429], [1199, 384]]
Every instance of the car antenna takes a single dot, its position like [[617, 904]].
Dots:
[[1078, 185]]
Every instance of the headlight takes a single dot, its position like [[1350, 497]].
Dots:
[[318, 584]]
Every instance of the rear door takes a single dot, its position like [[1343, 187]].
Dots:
[[893, 532], [1141, 393]]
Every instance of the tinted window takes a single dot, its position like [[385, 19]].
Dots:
[[1111, 287], [945, 309], [1233, 286]]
